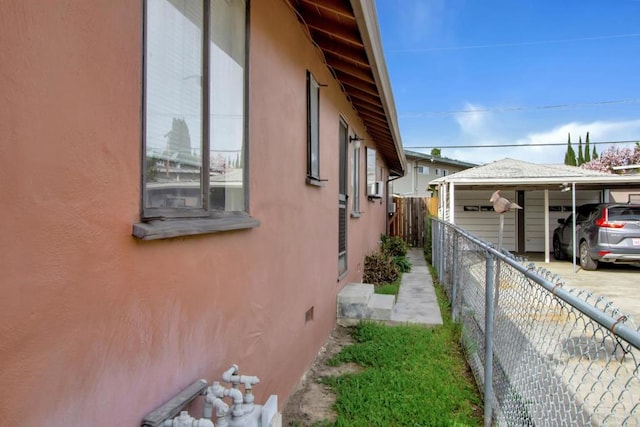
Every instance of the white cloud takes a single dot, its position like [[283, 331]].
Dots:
[[479, 130], [474, 121]]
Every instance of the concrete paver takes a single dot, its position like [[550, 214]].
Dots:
[[417, 301]]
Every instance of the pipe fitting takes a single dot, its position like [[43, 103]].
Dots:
[[186, 420], [231, 376], [220, 391], [212, 401], [226, 375]]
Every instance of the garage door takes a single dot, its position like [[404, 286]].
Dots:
[[475, 214], [559, 207]]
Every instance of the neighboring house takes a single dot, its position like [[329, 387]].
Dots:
[[546, 193], [422, 169], [172, 206]]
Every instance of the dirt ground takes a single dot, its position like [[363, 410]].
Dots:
[[312, 402]]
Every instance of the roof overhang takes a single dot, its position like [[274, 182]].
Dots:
[[347, 34]]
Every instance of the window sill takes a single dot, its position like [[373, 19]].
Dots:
[[356, 214], [315, 182], [166, 229], [343, 275]]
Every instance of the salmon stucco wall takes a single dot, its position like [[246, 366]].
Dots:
[[99, 328]]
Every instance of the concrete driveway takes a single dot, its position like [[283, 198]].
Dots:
[[619, 284]]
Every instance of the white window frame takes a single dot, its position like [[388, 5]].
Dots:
[[423, 170]]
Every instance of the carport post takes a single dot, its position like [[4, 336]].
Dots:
[[546, 225], [488, 340]]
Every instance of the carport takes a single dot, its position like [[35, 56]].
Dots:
[[463, 198]]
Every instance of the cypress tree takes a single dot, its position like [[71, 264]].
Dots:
[[570, 157], [594, 155], [580, 156], [587, 151]]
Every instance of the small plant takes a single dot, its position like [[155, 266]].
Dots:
[[388, 289], [402, 263], [427, 240], [379, 268], [393, 246]]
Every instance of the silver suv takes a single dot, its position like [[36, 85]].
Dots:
[[605, 232]]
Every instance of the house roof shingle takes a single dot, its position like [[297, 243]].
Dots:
[[517, 173]]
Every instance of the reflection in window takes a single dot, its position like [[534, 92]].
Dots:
[[193, 119], [371, 166]]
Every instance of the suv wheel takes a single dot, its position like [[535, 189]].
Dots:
[[586, 262], [557, 250]]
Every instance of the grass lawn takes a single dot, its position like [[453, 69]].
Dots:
[[413, 376]]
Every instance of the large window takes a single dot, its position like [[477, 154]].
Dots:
[[313, 130], [194, 109]]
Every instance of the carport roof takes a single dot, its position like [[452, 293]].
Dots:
[[511, 173]]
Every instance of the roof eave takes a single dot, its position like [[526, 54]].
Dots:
[[367, 19]]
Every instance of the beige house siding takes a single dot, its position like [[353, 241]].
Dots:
[[421, 171]]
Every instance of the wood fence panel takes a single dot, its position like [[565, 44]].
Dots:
[[408, 220]]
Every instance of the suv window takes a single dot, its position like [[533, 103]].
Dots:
[[624, 213]]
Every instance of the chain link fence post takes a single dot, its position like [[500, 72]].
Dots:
[[454, 279], [488, 346], [441, 251]]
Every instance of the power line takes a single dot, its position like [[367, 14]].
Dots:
[[530, 43], [522, 108], [532, 144]]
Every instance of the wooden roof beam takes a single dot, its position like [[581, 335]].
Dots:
[[362, 86], [342, 50], [352, 70], [333, 29], [335, 6]]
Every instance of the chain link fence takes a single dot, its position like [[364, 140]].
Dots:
[[543, 354]]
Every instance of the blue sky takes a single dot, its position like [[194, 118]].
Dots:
[[470, 72]]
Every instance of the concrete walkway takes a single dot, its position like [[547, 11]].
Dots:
[[417, 302]]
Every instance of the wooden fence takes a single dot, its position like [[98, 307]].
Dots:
[[408, 220]]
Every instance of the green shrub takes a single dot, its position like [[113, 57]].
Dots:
[[427, 240], [379, 269], [402, 263], [393, 246]]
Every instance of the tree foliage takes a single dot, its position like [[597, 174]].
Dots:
[[436, 152], [614, 156], [570, 156], [580, 155], [587, 153]]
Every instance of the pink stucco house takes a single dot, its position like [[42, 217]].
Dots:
[[129, 269]]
